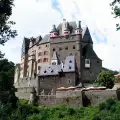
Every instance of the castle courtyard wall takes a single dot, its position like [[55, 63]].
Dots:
[[72, 98]]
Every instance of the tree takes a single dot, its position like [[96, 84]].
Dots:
[[116, 11], [106, 78], [7, 90], [5, 25]]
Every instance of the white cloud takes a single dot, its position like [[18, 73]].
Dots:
[[33, 18]]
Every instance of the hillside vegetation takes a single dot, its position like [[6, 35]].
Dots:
[[106, 111]]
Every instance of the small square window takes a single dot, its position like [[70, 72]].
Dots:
[[53, 49], [45, 52], [40, 54], [45, 60], [87, 61], [66, 48], [39, 60], [46, 46], [73, 46], [97, 61], [60, 48]]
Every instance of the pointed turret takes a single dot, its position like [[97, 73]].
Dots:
[[54, 32], [54, 60], [78, 29]]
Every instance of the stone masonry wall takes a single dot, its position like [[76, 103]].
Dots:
[[97, 97]]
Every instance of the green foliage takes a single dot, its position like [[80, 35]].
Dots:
[[116, 11], [108, 110], [7, 90], [5, 25], [106, 78]]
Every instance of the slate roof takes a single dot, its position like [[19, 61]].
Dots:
[[86, 35], [49, 70], [89, 53], [54, 57], [69, 66], [72, 25], [45, 39], [54, 29]]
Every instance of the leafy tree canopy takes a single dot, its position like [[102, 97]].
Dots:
[[106, 78], [5, 25], [6, 82], [116, 11]]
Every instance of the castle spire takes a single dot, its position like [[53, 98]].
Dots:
[[54, 32], [54, 60]]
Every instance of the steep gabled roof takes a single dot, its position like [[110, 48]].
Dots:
[[45, 39], [86, 35], [54, 57], [89, 53]]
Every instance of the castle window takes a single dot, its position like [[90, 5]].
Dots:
[[69, 81], [69, 67], [70, 53], [66, 48], [60, 48], [53, 49], [97, 61], [70, 61], [46, 46], [39, 60], [87, 63], [39, 47], [73, 46], [45, 52], [45, 60], [40, 54], [38, 67]]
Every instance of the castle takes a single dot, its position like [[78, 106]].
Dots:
[[65, 57]]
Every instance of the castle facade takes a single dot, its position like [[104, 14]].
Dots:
[[65, 57]]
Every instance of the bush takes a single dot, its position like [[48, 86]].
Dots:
[[106, 78], [34, 117]]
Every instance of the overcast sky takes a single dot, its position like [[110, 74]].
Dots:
[[36, 17]]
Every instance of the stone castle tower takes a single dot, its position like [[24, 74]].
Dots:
[[63, 58]]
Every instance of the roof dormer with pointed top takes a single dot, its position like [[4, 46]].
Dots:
[[54, 60], [54, 32]]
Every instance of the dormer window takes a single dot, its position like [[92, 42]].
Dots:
[[54, 63], [87, 63], [78, 31], [52, 71], [69, 67], [65, 32], [55, 34], [45, 71]]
